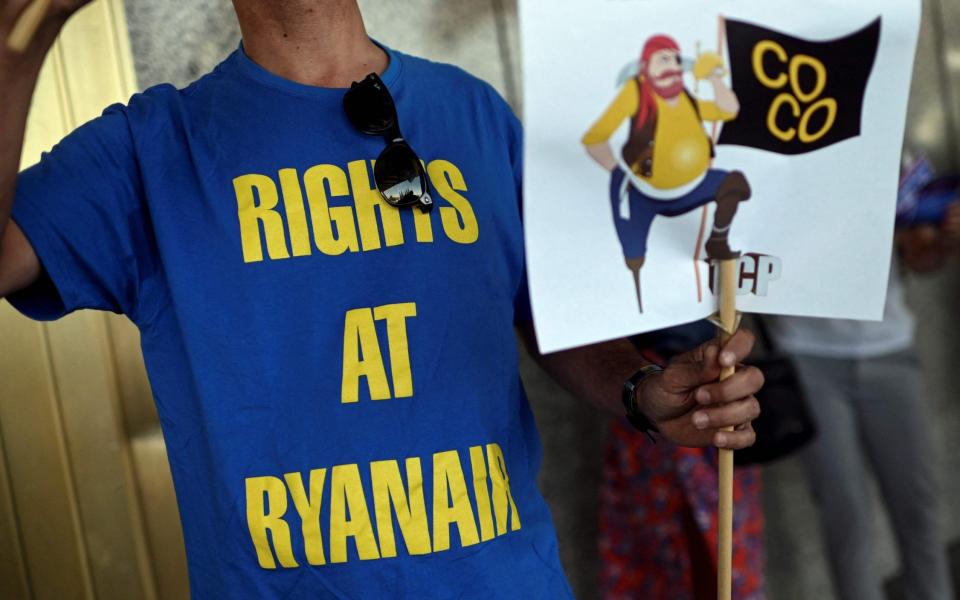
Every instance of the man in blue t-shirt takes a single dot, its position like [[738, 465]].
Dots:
[[336, 377]]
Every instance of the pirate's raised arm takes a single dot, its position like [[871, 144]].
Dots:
[[725, 98], [709, 66]]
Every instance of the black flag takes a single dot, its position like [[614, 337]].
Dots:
[[797, 96]]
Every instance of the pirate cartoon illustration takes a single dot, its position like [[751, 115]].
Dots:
[[664, 168]]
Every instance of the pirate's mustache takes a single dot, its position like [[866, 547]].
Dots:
[[668, 75]]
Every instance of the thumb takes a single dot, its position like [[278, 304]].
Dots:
[[692, 369]]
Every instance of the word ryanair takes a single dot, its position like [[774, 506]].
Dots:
[[336, 226], [342, 493]]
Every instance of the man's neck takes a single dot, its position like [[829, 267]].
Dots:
[[314, 42]]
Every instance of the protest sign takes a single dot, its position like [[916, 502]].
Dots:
[[663, 137]]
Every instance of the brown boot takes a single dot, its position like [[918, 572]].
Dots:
[[718, 248], [733, 190]]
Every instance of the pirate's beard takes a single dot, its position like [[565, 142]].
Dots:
[[671, 90]]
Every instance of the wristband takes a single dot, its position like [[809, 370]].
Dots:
[[630, 388]]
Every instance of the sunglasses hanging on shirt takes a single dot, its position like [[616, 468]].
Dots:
[[398, 172]]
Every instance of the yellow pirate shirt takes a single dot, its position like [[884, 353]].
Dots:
[[682, 148]]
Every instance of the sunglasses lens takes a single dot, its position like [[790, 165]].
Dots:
[[369, 106], [399, 175]]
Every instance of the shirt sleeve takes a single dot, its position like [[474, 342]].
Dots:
[[623, 107], [522, 312], [81, 208], [709, 111]]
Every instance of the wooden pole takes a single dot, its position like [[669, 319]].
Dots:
[[729, 321], [26, 26], [728, 326]]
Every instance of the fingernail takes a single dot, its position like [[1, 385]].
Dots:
[[721, 439], [703, 396], [728, 359], [700, 420], [711, 352]]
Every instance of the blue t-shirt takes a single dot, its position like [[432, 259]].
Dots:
[[336, 379]]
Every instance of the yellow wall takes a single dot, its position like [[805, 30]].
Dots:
[[86, 500]]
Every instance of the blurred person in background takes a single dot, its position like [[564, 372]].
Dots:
[[865, 389]]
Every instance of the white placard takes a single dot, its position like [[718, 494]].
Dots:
[[822, 89]]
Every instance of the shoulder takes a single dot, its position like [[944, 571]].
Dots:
[[475, 97], [112, 133], [447, 79], [165, 98], [421, 69], [629, 95], [162, 111], [150, 103]]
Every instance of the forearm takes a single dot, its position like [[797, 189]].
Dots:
[[593, 373], [724, 97], [38, 24], [603, 155], [18, 79]]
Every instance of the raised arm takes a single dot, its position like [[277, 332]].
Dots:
[[725, 105], [19, 72], [725, 99]]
